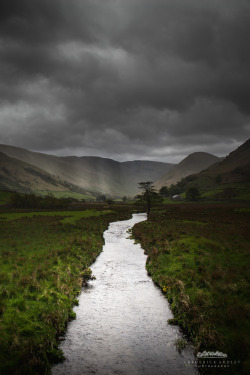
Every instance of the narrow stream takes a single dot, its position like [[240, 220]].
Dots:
[[121, 325]]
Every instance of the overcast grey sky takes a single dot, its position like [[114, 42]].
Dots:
[[126, 79]]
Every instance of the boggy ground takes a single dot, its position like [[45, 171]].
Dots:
[[199, 255], [43, 262]]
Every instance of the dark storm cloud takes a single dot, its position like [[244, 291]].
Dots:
[[125, 78]]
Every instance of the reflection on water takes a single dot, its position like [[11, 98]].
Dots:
[[121, 325]]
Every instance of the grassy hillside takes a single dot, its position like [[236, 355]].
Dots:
[[20, 176], [93, 174], [235, 168], [193, 163], [88, 177], [228, 179]]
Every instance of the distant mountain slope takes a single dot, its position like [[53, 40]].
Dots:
[[191, 164], [19, 176], [92, 173], [226, 179], [234, 168]]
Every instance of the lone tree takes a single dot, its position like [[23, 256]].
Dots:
[[148, 196]]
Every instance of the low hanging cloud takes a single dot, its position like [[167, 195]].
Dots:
[[125, 79]]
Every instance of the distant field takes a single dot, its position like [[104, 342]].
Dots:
[[226, 192], [69, 217], [211, 193], [230, 191], [5, 196]]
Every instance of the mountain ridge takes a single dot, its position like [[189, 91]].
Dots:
[[235, 167], [193, 163], [28, 171], [227, 179], [23, 177], [96, 174]]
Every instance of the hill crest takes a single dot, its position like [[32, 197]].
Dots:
[[193, 163]]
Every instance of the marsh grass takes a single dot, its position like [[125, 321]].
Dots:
[[44, 260], [199, 254], [67, 217]]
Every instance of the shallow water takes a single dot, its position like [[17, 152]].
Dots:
[[121, 325]]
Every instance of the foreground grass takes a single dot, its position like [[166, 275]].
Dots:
[[43, 261], [199, 255]]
